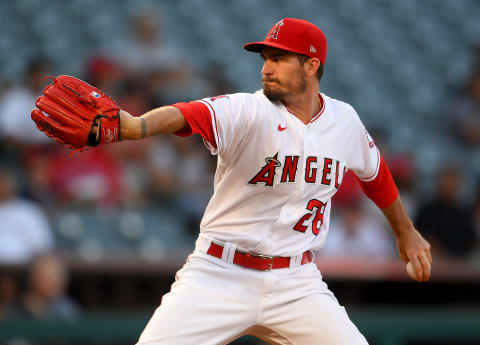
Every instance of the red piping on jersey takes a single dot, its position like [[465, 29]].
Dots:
[[199, 117], [321, 110], [215, 120], [382, 190]]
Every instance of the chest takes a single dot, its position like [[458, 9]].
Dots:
[[284, 151]]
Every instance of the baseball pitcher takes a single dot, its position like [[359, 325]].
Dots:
[[282, 154]]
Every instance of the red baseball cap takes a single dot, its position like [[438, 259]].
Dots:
[[294, 35]]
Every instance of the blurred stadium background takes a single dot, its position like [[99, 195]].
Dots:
[[89, 243]]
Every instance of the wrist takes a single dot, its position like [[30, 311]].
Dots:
[[404, 229], [130, 126]]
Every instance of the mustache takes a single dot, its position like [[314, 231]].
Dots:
[[271, 80]]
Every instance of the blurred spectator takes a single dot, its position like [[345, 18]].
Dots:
[[9, 306], [170, 78], [90, 178], [445, 221], [104, 74], [354, 233], [17, 103], [195, 173], [162, 168], [137, 96], [24, 229], [145, 50], [131, 92], [218, 82], [36, 163], [466, 114], [46, 297], [148, 169]]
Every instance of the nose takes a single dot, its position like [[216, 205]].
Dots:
[[267, 68]]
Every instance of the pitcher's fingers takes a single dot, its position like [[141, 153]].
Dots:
[[417, 267], [429, 255], [425, 266]]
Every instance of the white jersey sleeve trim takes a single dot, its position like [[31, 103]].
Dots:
[[213, 118], [374, 175]]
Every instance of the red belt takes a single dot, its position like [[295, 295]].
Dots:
[[258, 261]]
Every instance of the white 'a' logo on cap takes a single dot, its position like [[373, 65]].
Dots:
[[275, 30]]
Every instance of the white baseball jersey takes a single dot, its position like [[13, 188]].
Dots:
[[276, 175]]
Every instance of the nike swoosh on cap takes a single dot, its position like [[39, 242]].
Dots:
[[280, 128]]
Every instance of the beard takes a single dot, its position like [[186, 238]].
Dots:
[[297, 85], [272, 94]]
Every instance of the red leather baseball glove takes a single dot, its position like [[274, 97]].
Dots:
[[69, 109]]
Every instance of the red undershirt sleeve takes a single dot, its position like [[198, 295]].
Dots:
[[199, 121], [382, 190]]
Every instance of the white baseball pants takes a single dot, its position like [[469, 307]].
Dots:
[[214, 302]]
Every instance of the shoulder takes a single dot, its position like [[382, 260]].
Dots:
[[247, 105], [340, 107], [239, 98], [341, 110]]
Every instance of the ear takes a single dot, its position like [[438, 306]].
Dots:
[[311, 66]]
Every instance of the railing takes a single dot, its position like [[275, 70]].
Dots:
[[383, 327]]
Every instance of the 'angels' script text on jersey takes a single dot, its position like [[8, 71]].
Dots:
[[329, 173]]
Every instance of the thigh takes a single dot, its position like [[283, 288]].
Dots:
[[304, 311], [315, 319], [205, 306]]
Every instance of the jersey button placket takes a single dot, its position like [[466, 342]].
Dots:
[[303, 154]]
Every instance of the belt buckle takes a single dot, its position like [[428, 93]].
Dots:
[[270, 264]]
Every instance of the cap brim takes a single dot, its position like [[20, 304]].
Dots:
[[257, 47]]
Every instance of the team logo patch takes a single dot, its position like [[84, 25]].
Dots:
[[213, 99], [267, 172], [110, 135], [312, 49], [370, 140], [95, 94]]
